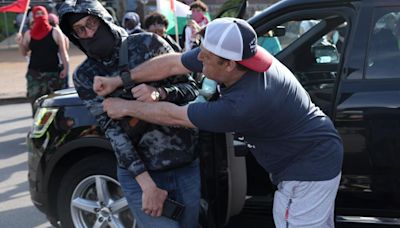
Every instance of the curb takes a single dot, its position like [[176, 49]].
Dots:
[[13, 100]]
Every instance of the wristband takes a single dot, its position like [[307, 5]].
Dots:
[[127, 81]]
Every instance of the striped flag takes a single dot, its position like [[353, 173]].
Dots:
[[176, 13]]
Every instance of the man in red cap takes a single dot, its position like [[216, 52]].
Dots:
[[291, 138]]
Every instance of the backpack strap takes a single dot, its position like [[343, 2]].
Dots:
[[123, 65]]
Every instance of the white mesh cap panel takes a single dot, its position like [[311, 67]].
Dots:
[[224, 39]]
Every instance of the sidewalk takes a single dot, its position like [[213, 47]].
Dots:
[[13, 68]]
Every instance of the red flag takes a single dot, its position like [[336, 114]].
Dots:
[[18, 6]]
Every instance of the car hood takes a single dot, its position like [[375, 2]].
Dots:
[[65, 97]]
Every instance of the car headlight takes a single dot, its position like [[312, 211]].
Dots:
[[42, 121]]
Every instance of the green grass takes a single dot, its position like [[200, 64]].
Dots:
[[9, 19]]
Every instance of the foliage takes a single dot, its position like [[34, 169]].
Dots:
[[7, 18]]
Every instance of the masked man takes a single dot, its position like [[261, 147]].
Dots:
[[160, 162]]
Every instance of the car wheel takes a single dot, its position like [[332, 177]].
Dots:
[[90, 195]]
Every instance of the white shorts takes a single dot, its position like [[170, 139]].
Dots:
[[305, 203]]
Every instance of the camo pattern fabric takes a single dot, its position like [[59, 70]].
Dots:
[[159, 148], [42, 83]]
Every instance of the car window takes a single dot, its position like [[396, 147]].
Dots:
[[293, 31], [311, 49], [325, 50], [383, 49]]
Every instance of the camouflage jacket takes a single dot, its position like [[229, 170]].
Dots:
[[159, 147]]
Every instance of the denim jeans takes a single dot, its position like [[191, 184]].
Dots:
[[182, 184]]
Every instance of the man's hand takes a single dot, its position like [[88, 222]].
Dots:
[[115, 107], [143, 92], [153, 200], [19, 38], [152, 197], [63, 73], [106, 85]]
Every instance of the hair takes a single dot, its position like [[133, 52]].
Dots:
[[53, 19], [155, 18], [239, 66], [198, 5]]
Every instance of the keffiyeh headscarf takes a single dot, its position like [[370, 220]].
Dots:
[[41, 26]]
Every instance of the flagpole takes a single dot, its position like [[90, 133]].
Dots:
[[176, 24], [24, 17]]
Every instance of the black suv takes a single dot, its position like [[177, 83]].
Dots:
[[345, 53]]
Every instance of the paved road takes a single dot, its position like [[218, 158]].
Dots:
[[16, 208]]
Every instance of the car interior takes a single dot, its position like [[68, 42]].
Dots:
[[314, 57]]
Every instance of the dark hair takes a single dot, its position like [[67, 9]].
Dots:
[[155, 18], [240, 67], [199, 5]]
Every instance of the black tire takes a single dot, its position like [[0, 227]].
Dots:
[[77, 179]]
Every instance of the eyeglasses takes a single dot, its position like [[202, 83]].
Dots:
[[92, 23]]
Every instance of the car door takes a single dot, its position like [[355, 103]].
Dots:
[[368, 112]]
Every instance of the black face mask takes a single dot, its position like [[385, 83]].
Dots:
[[130, 24], [101, 45]]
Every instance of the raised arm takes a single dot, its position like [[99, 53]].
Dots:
[[155, 69], [159, 68], [23, 42]]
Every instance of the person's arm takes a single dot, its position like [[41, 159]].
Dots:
[[162, 113], [155, 69], [221, 115], [59, 38], [178, 89], [66, 42], [188, 38], [23, 42]]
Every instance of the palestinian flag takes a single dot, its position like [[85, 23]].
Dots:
[[171, 9]]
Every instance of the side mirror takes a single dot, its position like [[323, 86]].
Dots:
[[325, 54], [277, 32]]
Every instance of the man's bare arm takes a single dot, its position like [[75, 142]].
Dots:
[[159, 68], [155, 69], [161, 113], [23, 41]]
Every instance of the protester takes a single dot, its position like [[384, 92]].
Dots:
[[158, 24], [157, 162], [194, 23], [43, 43], [131, 23], [260, 99]]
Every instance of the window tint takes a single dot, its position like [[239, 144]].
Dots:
[[326, 50], [311, 49], [293, 30], [383, 51]]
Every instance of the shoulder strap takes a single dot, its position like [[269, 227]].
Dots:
[[123, 66], [123, 54]]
